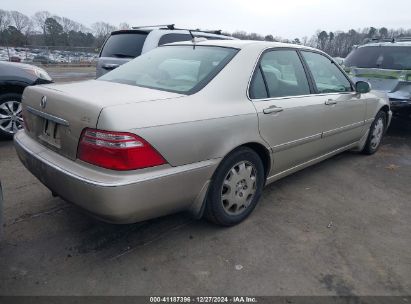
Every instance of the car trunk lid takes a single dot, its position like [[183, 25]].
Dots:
[[55, 115]]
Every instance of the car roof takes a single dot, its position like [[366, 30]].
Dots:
[[387, 43], [240, 44], [147, 30]]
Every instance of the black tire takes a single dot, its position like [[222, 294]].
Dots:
[[371, 145], [216, 209], [3, 100]]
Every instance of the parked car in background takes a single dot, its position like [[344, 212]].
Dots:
[[386, 65], [124, 45], [14, 78], [15, 59], [195, 126], [42, 59]]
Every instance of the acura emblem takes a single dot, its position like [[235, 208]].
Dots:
[[43, 102]]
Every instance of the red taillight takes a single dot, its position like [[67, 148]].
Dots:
[[117, 150]]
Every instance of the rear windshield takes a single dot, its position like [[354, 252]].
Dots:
[[380, 57], [125, 45], [179, 69]]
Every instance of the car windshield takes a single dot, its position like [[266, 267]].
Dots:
[[380, 57], [124, 45], [181, 69]]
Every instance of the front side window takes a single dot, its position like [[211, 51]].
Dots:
[[180, 69], [327, 76], [284, 74], [258, 89]]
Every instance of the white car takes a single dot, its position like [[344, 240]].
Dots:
[[123, 45]]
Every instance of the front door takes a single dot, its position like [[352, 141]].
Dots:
[[345, 109], [290, 118]]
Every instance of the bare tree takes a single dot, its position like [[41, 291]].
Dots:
[[19, 21], [304, 40], [4, 19], [40, 20], [70, 25], [240, 35], [101, 30], [124, 26]]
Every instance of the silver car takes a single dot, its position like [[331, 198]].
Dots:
[[198, 126]]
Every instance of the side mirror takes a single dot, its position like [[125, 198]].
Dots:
[[362, 87]]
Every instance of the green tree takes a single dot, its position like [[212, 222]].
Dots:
[[383, 32], [269, 38], [322, 40], [372, 32], [54, 32], [13, 36], [296, 41]]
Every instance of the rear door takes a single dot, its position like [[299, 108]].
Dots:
[[290, 118], [343, 119], [119, 48]]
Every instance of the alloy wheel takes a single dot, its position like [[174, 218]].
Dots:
[[11, 119], [377, 133]]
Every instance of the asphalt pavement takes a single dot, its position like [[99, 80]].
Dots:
[[341, 227]]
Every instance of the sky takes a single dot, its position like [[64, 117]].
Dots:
[[288, 18]]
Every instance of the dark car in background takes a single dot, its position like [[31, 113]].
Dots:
[[386, 65], [14, 78], [42, 59], [123, 45]]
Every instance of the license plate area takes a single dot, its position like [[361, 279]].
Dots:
[[51, 133]]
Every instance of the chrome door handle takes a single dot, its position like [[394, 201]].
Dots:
[[272, 109], [110, 66], [330, 102]]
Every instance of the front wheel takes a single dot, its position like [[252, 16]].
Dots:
[[376, 133], [10, 115], [236, 188]]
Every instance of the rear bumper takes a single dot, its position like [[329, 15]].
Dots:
[[117, 197]]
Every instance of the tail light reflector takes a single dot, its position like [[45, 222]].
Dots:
[[117, 150]]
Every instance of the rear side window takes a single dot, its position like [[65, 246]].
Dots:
[[284, 74], [170, 38], [380, 57], [124, 45], [327, 76], [257, 87]]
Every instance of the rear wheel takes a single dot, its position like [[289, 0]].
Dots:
[[10, 115], [236, 188], [376, 133]]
